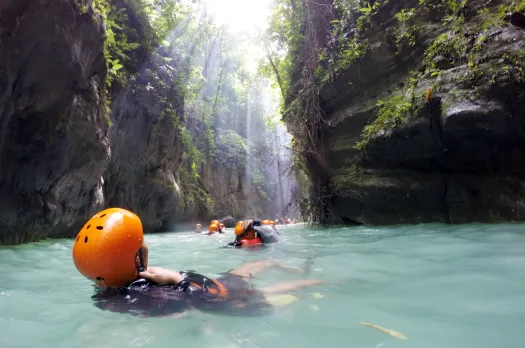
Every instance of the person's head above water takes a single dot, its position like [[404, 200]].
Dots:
[[213, 228], [109, 248], [244, 230]]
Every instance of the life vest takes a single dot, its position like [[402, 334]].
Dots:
[[209, 287], [251, 242]]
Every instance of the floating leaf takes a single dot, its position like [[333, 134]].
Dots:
[[392, 333]]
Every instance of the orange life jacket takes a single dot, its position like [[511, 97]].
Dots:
[[251, 242]]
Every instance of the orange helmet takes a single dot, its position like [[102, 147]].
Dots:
[[213, 228], [215, 222], [106, 247], [238, 229]]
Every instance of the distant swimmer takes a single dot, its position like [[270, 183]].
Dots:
[[198, 228], [250, 233], [110, 251], [216, 227], [213, 228], [269, 223]]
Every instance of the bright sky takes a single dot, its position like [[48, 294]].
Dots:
[[241, 15]]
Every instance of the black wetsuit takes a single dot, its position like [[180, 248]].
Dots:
[[228, 294], [143, 298]]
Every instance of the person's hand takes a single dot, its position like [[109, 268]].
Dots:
[[161, 275]]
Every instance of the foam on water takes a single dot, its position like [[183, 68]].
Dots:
[[442, 286]]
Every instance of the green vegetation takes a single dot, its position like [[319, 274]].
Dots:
[[453, 46], [351, 52], [450, 7], [391, 114], [448, 45], [343, 48], [117, 46], [367, 12], [406, 29], [219, 93], [347, 177], [281, 42], [293, 38], [176, 48], [457, 48], [232, 150], [310, 62]]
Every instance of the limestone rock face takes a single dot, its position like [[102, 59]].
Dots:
[[63, 158], [146, 147], [456, 158], [53, 128]]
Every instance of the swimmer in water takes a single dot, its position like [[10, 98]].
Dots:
[[198, 228], [216, 227], [250, 233], [213, 228], [127, 283]]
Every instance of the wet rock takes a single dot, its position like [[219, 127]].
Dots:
[[517, 19], [443, 63], [147, 149], [417, 145], [392, 197], [457, 157], [55, 146], [477, 138], [53, 143], [486, 198]]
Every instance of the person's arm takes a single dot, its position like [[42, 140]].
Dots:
[[162, 275]]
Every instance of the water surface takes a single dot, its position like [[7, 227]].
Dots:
[[442, 286]]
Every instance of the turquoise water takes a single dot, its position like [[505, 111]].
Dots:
[[441, 286]]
